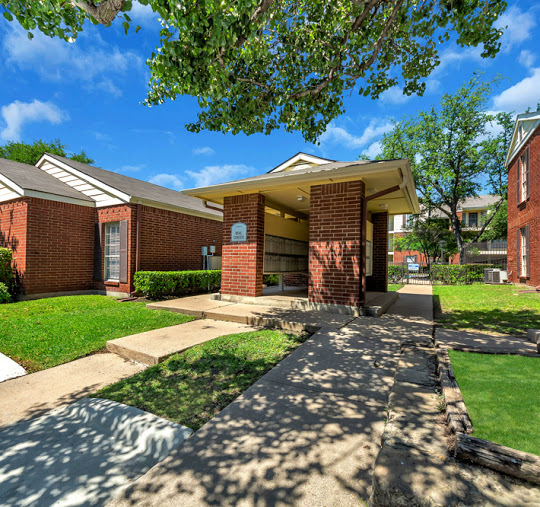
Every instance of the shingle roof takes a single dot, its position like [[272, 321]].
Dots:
[[482, 201], [29, 177], [138, 188]]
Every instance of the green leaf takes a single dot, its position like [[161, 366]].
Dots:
[[8, 16]]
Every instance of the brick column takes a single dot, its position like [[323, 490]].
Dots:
[[335, 248], [379, 280], [242, 263]]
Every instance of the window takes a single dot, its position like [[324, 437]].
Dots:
[[483, 217], [391, 222], [112, 251], [524, 176], [390, 243], [473, 219], [523, 254]]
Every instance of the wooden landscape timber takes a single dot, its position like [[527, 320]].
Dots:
[[498, 457]]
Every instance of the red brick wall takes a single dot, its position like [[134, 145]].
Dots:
[[60, 243], [527, 213], [242, 263], [173, 241], [13, 233], [335, 243], [297, 280], [379, 279]]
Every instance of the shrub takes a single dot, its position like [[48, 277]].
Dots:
[[459, 274], [5, 296], [271, 280], [396, 272], [6, 271], [161, 284]]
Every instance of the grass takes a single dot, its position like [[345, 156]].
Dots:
[[491, 308], [393, 287], [192, 387], [47, 332], [501, 395]]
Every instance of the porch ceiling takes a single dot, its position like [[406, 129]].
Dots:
[[290, 191]]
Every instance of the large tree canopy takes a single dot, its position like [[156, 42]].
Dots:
[[256, 65], [31, 153], [453, 154]]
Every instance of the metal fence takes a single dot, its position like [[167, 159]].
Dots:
[[439, 274], [487, 252]]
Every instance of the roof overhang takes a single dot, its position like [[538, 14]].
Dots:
[[531, 121], [289, 191]]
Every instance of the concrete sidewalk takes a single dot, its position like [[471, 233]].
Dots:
[[35, 394], [307, 433]]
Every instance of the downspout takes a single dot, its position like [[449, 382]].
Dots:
[[138, 239]]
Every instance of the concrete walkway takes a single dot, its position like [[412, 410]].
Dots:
[[35, 394], [153, 347], [307, 433]]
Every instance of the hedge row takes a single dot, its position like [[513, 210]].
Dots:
[[7, 280], [446, 274], [161, 284]]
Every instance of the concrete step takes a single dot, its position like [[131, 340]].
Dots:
[[153, 347]]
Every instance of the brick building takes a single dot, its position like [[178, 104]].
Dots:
[[472, 212], [523, 162], [74, 227], [316, 217]]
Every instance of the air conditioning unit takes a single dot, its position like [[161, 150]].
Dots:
[[495, 276], [488, 275]]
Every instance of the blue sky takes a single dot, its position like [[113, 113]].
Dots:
[[88, 94]]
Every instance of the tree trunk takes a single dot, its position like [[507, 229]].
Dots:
[[456, 229]]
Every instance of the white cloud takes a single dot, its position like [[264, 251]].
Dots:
[[143, 15], [204, 150], [516, 25], [527, 58], [338, 135], [373, 150], [54, 60], [127, 168], [395, 95], [212, 174], [167, 180], [17, 114], [521, 96]]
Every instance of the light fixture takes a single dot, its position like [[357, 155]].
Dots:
[[383, 206], [300, 198]]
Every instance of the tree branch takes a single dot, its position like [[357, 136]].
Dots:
[[104, 12]]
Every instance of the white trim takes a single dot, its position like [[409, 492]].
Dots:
[[300, 156], [515, 143], [12, 185], [83, 176], [176, 209]]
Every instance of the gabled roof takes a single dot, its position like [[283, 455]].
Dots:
[[525, 126], [28, 180], [127, 189], [299, 161]]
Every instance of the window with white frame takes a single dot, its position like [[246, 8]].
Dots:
[[112, 251], [473, 219], [390, 223], [523, 254], [524, 162]]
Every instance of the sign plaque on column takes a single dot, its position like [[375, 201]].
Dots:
[[239, 233]]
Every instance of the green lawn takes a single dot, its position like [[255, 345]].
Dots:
[[47, 332], [393, 287], [501, 395], [496, 308], [192, 387]]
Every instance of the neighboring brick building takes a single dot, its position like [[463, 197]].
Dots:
[[523, 162], [315, 220], [472, 213], [74, 227]]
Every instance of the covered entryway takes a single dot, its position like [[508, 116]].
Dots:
[[327, 220]]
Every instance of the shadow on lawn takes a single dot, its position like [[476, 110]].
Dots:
[[514, 322]]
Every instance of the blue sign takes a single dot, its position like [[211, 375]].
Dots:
[[414, 267], [239, 233]]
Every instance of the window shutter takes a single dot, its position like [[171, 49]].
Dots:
[[124, 251], [518, 253], [528, 174], [518, 195], [528, 243], [98, 253]]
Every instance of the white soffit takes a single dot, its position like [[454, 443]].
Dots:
[[102, 194], [300, 161], [525, 125], [9, 190]]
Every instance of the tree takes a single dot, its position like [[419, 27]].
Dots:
[[257, 64], [498, 227], [452, 153], [31, 153], [424, 235]]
